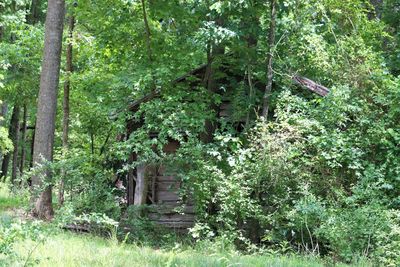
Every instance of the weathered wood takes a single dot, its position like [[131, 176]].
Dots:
[[225, 110], [167, 196], [166, 178], [172, 217], [131, 182], [175, 225], [76, 228], [171, 209], [311, 85], [168, 186], [141, 185], [171, 146]]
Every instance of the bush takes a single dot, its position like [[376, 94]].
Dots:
[[310, 179], [15, 231]]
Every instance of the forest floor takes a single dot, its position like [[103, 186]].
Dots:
[[62, 248]]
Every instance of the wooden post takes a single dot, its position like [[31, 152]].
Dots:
[[131, 182], [141, 185]]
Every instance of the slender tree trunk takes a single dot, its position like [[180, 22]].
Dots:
[[13, 135], [3, 114], [270, 57], [15, 121], [209, 83], [148, 44], [69, 70], [31, 155], [32, 147], [46, 111], [130, 188], [34, 12], [32, 18], [23, 140]]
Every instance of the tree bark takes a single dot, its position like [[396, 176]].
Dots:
[[46, 111], [69, 70], [32, 146], [13, 135], [34, 12], [15, 122], [148, 45], [270, 57], [130, 189], [209, 81], [3, 110], [23, 140]]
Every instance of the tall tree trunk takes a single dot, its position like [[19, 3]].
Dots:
[[3, 114], [31, 154], [23, 140], [209, 81], [148, 45], [32, 18], [15, 121], [13, 135], [32, 146], [7, 157], [130, 188], [47, 105], [270, 57], [69, 70], [34, 12]]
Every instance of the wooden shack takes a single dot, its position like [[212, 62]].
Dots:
[[156, 186]]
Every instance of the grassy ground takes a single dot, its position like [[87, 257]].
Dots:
[[9, 201], [70, 250]]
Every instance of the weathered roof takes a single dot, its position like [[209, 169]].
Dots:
[[156, 93], [309, 84]]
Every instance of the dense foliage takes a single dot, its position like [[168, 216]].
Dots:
[[319, 175]]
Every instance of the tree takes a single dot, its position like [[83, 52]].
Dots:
[[67, 84], [23, 139], [14, 134], [46, 111], [270, 57], [15, 131]]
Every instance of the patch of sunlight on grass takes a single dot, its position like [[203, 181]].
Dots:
[[70, 250], [9, 200]]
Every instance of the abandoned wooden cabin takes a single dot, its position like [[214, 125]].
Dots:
[[155, 185]]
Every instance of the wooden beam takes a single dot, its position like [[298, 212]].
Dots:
[[141, 185], [311, 85]]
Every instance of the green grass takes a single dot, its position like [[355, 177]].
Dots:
[[9, 200], [67, 249]]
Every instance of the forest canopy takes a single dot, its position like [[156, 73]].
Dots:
[[277, 122]]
